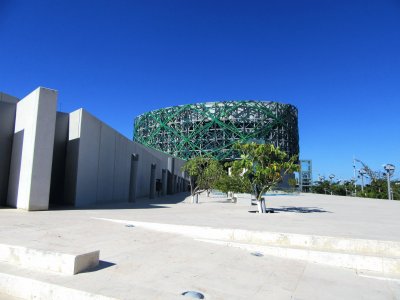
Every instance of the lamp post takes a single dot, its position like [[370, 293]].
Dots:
[[389, 168], [331, 178], [355, 177], [362, 172]]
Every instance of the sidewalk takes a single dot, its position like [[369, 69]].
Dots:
[[137, 263]]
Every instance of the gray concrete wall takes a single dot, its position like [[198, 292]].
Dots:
[[32, 151], [5, 98], [178, 164], [98, 163], [59, 154], [8, 106], [48, 157]]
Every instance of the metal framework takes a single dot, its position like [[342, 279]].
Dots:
[[305, 175], [210, 129]]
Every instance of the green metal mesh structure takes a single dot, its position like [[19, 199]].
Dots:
[[210, 129]]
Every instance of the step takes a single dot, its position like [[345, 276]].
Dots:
[[388, 266], [19, 287], [312, 242], [371, 255], [65, 263]]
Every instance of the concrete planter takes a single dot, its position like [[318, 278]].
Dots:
[[261, 206], [195, 198]]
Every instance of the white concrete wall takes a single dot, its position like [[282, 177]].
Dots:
[[8, 106], [99, 160], [32, 151]]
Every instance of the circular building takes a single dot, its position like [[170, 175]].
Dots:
[[211, 129]]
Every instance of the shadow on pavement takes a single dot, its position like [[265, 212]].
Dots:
[[102, 265], [302, 210], [157, 202], [296, 209]]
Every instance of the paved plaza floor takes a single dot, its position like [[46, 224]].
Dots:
[[138, 263]]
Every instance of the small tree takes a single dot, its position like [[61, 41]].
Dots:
[[264, 166], [233, 183], [203, 172], [292, 183], [322, 187]]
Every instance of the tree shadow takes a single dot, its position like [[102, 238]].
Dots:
[[295, 209], [301, 209]]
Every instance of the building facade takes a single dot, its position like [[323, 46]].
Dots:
[[53, 158]]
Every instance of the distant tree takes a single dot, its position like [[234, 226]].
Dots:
[[211, 174], [322, 187], [203, 173], [292, 183], [262, 166], [396, 189], [377, 188], [338, 189], [233, 183]]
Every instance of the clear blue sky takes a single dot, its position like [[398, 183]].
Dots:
[[337, 61]]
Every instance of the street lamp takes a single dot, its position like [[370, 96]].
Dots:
[[331, 178], [389, 168], [362, 172]]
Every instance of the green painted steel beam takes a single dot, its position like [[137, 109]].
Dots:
[[210, 129]]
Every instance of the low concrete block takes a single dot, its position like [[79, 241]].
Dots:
[[86, 261], [69, 264], [28, 288], [242, 199]]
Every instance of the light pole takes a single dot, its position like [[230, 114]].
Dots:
[[362, 172], [355, 177], [331, 178], [389, 168]]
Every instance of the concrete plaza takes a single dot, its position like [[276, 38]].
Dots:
[[140, 260]]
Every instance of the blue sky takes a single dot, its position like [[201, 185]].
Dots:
[[337, 61]]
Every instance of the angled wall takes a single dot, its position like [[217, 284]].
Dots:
[[32, 151], [98, 163], [8, 106], [53, 158]]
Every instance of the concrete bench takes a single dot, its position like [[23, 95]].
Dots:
[[69, 264]]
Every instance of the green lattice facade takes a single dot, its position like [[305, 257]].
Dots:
[[210, 129]]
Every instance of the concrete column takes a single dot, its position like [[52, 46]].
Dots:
[[164, 182], [32, 151], [152, 181], [171, 173], [8, 107], [133, 177]]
